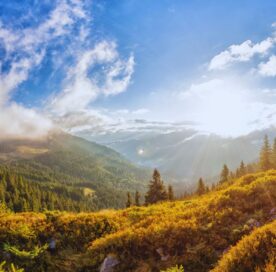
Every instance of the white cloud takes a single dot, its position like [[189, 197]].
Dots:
[[240, 53], [83, 86], [17, 74], [58, 24], [141, 111], [268, 68], [118, 77], [17, 122]]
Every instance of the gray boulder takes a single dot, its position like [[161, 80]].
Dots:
[[109, 263]]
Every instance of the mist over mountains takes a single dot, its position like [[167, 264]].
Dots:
[[187, 154]]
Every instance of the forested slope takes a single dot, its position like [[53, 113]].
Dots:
[[64, 162]]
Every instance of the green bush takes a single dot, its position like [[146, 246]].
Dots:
[[174, 269]]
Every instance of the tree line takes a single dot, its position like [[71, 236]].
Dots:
[[266, 161], [19, 195], [157, 192]]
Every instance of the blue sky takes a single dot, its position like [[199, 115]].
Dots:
[[97, 66]]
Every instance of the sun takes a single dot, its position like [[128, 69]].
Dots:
[[140, 151], [223, 110]]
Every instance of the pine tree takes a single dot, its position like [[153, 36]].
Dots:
[[170, 193], [232, 175], [213, 187], [129, 200], [200, 187], [273, 155], [250, 168], [242, 169], [265, 155], [157, 191], [238, 173], [137, 198], [224, 176]]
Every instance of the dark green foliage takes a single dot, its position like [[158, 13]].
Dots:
[[67, 165], [23, 254], [224, 176], [4, 267], [157, 191], [241, 169], [129, 200], [273, 155], [200, 187], [265, 155], [170, 193], [137, 198], [19, 195]]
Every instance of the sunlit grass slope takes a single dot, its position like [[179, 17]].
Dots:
[[255, 252], [195, 232]]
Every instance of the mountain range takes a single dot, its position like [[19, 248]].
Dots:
[[187, 154]]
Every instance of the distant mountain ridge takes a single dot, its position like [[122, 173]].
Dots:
[[187, 154]]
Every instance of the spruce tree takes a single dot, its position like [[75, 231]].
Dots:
[[200, 187], [273, 155], [237, 173], [137, 198], [224, 176], [157, 191], [213, 187], [250, 168], [170, 193], [129, 200], [242, 169], [265, 155], [232, 175]]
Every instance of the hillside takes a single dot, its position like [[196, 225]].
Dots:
[[246, 254], [196, 232], [65, 162]]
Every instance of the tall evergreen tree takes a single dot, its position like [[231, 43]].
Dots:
[[137, 198], [242, 169], [265, 155], [129, 200], [170, 193], [273, 155], [232, 175], [200, 187], [224, 175], [250, 168], [157, 191]]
